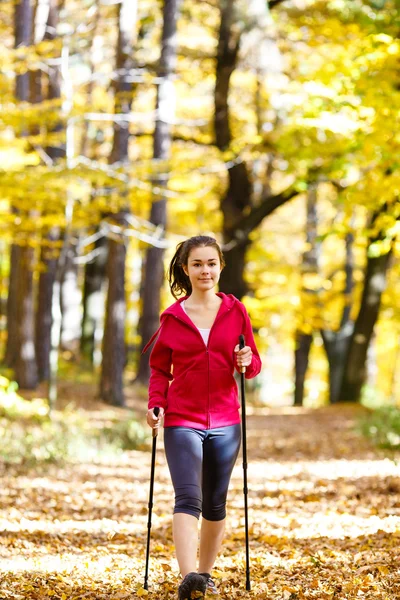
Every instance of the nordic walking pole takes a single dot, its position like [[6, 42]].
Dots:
[[244, 453], [153, 463]]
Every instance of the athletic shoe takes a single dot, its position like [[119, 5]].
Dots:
[[193, 586], [211, 587]]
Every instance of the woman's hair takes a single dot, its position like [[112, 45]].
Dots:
[[179, 282]]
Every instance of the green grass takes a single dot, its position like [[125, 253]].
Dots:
[[30, 434], [382, 426]]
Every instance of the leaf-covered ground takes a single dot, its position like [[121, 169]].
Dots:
[[324, 515]]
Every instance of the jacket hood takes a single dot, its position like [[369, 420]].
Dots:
[[175, 310]]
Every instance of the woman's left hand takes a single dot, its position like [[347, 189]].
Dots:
[[243, 356]]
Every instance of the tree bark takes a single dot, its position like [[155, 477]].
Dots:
[[113, 361], [95, 275], [238, 195], [22, 34], [309, 265], [54, 81], [70, 302], [24, 360], [48, 258], [154, 268], [355, 372], [23, 37], [12, 321], [336, 343], [26, 373], [301, 357], [111, 385], [44, 320], [240, 217]]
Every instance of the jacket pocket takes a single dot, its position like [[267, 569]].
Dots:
[[223, 390], [189, 393]]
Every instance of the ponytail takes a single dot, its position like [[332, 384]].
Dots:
[[179, 282]]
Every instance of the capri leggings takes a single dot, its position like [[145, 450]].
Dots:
[[201, 464]]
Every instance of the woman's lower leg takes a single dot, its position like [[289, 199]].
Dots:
[[211, 536], [186, 540]]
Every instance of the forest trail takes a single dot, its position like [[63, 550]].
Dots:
[[324, 519]]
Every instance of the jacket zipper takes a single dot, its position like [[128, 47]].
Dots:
[[207, 354], [208, 387], [208, 368]]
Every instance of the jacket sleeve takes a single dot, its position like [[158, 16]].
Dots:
[[160, 372], [255, 367]]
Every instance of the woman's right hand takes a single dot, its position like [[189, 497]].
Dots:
[[153, 421]]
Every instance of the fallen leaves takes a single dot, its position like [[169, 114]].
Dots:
[[322, 527]]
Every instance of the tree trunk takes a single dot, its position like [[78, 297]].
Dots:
[[54, 90], [23, 34], [154, 267], [240, 216], [70, 301], [232, 275], [95, 275], [113, 362], [301, 355], [310, 297], [44, 318], [24, 361], [48, 258], [96, 19], [336, 343], [111, 385], [355, 372], [12, 322], [23, 37], [26, 373], [237, 199], [239, 192]]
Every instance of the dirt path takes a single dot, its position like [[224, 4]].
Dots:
[[324, 515]]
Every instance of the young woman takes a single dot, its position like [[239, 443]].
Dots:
[[192, 365]]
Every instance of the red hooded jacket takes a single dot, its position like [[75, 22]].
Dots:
[[203, 393]]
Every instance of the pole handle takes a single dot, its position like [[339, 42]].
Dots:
[[156, 411], [242, 344]]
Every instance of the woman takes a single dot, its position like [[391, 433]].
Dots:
[[197, 351]]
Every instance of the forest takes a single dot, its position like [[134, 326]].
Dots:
[[126, 127]]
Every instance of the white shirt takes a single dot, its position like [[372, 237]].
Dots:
[[205, 333]]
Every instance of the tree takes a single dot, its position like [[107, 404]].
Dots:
[[240, 215], [336, 343], [379, 253], [154, 268], [111, 383], [309, 269], [22, 37], [50, 235], [25, 359]]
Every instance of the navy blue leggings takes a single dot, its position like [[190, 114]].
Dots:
[[201, 463]]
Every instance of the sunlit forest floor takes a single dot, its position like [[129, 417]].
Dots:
[[324, 516]]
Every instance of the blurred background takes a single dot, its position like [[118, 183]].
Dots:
[[127, 126]]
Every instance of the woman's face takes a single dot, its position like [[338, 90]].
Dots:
[[203, 268]]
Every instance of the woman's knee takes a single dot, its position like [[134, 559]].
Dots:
[[188, 500], [214, 512]]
